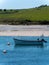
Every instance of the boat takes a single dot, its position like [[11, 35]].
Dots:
[[20, 42]]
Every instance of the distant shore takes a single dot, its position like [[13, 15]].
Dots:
[[24, 30], [29, 16]]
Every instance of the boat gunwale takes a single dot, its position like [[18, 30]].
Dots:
[[29, 40]]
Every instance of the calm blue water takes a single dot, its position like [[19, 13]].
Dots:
[[23, 55]]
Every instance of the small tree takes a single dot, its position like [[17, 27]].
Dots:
[[4, 10]]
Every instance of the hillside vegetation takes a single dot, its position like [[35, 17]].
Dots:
[[38, 15]]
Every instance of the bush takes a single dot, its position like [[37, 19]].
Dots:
[[5, 10]]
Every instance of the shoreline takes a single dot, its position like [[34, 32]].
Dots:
[[24, 30], [24, 33]]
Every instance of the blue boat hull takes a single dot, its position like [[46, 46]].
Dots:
[[27, 43]]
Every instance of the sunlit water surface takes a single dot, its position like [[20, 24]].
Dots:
[[25, 55]]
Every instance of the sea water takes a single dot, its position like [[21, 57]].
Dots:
[[25, 55]]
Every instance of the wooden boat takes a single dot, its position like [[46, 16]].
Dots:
[[37, 42]]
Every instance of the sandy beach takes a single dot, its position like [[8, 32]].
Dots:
[[24, 33], [32, 30]]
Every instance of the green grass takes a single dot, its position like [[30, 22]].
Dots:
[[33, 14]]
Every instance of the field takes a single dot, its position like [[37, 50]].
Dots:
[[38, 15]]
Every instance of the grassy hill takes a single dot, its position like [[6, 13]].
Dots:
[[38, 15]]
